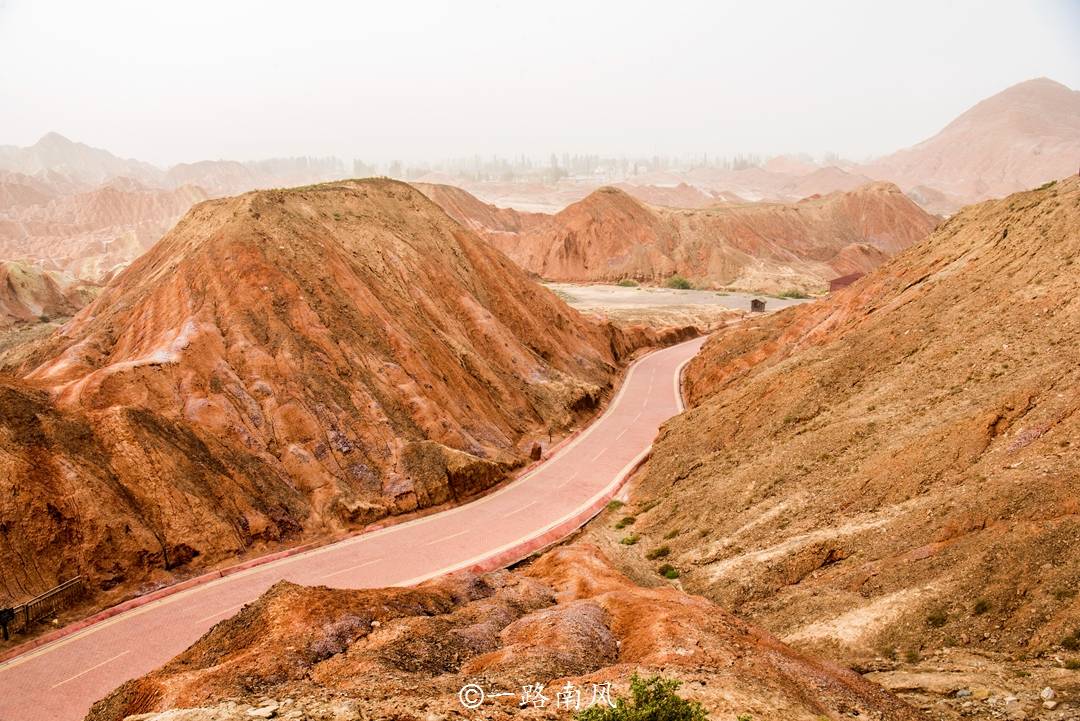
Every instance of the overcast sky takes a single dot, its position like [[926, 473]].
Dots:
[[183, 81]]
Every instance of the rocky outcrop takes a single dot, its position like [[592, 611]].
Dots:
[[895, 469], [566, 619]]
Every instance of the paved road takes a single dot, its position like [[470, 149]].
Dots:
[[60, 681]]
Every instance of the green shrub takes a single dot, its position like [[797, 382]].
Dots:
[[615, 505], [630, 540], [1073, 664], [678, 282], [652, 699], [668, 571], [937, 619], [625, 521], [658, 552], [798, 294], [912, 655], [628, 283], [981, 607]]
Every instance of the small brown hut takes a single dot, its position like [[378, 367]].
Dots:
[[757, 305]]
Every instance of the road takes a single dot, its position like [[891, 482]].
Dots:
[[60, 681]]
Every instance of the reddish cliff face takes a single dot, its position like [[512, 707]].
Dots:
[[281, 365], [405, 653], [897, 466], [765, 247], [1023, 136]]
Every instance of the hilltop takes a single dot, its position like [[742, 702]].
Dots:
[[1025, 135]]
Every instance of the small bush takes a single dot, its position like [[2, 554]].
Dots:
[[1050, 184], [671, 534], [912, 655], [658, 552], [630, 540], [625, 521], [615, 505], [628, 283], [668, 571], [652, 699], [981, 607], [336, 637], [1073, 664], [1071, 643], [678, 283], [796, 294], [937, 619]]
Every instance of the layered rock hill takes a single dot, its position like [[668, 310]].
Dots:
[[762, 247], [284, 365], [89, 234], [29, 294], [896, 468], [405, 653], [1026, 135]]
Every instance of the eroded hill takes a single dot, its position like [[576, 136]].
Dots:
[[284, 365], [895, 469], [569, 618], [762, 247]]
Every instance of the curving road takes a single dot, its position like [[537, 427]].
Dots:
[[59, 681]]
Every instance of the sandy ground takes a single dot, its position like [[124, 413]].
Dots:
[[662, 306]]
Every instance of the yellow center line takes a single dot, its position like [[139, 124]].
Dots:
[[83, 673]]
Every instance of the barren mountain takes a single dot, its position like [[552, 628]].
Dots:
[[764, 247], [284, 365], [895, 468], [29, 294], [90, 233], [91, 166], [405, 653], [1023, 136]]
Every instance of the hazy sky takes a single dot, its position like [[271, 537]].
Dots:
[[191, 80]]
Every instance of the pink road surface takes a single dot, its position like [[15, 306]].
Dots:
[[59, 681]]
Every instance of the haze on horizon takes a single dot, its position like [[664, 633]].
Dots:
[[438, 79]]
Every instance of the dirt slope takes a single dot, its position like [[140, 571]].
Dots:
[[284, 364], [405, 653], [1025, 135], [762, 247], [897, 467]]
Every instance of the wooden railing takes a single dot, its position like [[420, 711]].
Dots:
[[23, 616]]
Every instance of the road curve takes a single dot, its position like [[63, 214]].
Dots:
[[59, 681]]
